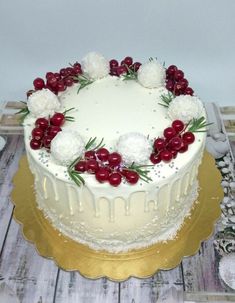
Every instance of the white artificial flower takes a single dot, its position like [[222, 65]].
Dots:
[[185, 108], [67, 146], [43, 103], [151, 74], [95, 66], [134, 147]]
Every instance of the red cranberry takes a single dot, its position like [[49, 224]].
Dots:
[[102, 174], [53, 130], [77, 69], [42, 123], [132, 177], [170, 85], [174, 153], [188, 137], [39, 83], [170, 72], [128, 61], [57, 119], [178, 75], [114, 159], [47, 141], [52, 82], [37, 133], [121, 70], [178, 125], [63, 72], [184, 147], [60, 86], [159, 144], [155, 158], [169, 133], [183, 83], [92, 166], [113, 63], [35, 144], [68, 81], [176, 143], [115, 179], [90, 154], [166, 155], [49, 75], [80, 166], [113, 71], [136, 66], [102, 154], [189, 91]]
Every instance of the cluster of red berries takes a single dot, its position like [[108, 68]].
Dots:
[[45, 130], [175, 140], [117, 69], [176, 83], [106, 167], [58, 82]]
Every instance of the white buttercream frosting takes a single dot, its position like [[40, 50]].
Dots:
[[185, 108], [95, 65], [43, 103], [134, 147], [67, 146], [151, 74]]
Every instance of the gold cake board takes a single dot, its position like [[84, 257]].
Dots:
[[142, 263]]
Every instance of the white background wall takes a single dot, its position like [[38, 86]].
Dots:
[[196, 35]]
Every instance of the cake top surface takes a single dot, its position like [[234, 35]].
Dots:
[[129, 109]]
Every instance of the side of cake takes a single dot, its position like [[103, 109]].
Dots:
[[138, 188]]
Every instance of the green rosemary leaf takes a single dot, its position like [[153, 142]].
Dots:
[[166, 99], [68, 110], [130, 75], [196, 125], [100, 144], [90, 142]]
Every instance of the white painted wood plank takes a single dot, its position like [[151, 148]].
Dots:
[[8, 166], [201, 271], [72, 287], [152, 289], [30, 276]]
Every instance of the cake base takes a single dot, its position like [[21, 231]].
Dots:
[[141, 263]]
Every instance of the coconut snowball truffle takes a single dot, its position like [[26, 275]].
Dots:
[[185, 108], [151, 74], [134, 147], [43, 103], [67, 146], [95, 65]]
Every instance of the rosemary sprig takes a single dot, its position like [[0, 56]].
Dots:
[[23, 112], [166, 99], [142, 172], [196, 125], [130, 75], [74, 175], [91, 143], [69, 118], [83, 80]]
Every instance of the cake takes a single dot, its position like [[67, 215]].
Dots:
[[115, 150]]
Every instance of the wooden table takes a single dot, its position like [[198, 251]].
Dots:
[[35, 279]]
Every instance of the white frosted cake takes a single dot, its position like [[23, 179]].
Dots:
[[137, 189]]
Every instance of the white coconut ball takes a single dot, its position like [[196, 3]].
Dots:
[[67, 146], [95, 65], [185, 108], [134, 147], [151, 74], [43, 103]]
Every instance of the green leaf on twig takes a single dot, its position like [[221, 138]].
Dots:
[[198, 125]]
